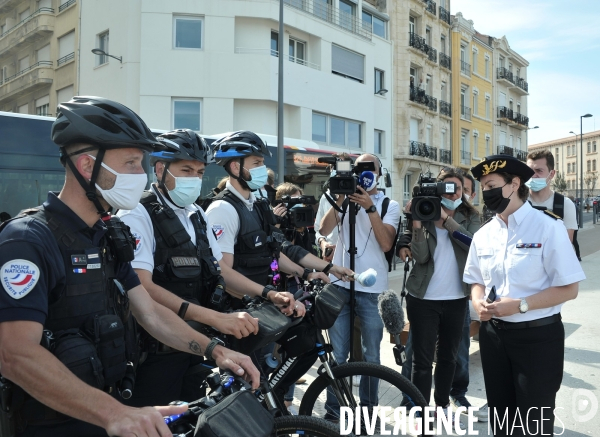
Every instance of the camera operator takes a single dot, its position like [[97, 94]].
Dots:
[[437, 298], [374, 236]]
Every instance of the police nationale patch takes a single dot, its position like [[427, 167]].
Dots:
[[138, 241], [19, 276], [218, 230]]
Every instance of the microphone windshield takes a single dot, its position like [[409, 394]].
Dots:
[[366, 180], [391, 312], [465, 239], [367, 278]]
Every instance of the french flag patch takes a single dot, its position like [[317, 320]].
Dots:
[[79, 270]]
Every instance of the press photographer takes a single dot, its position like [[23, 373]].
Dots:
[[374, 235], [437, 297]]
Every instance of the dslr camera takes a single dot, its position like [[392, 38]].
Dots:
[[349, 176], [427, 198], [297, 216]]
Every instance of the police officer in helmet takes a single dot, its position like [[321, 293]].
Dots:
[[68, 288], [177, 260]]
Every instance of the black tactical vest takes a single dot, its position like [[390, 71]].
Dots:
[[187, 270], [255, 247]]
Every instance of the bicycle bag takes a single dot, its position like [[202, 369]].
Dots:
[[239, 415], [272, 324], [328, 306], [299, 339], [79, 355]]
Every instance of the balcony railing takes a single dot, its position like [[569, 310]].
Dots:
[[431, 103], [520, 119], [444, 15], [430, 6], [419, 96], [416, 41], [521, 83], [505, 150], [465, 157], [445, 61], [253, 51], [432, 54], [465, 112], [24, 20], [522, 155], [333, 15], [423, 150], [446, 156], [65, 5], [504, 112], [445, 108], [65, 59], [505, 74], [20, 73], [465, 68]]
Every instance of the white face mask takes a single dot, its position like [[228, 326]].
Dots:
[[127, 191]]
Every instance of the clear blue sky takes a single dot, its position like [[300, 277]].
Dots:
[[561, 41]]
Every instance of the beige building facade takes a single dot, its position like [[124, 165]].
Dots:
[[567, 162], [38, 54], [422, 89]]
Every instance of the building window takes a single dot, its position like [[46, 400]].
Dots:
[[589, 147], [594, 146], [569, 167], [42, 105], [102, 45], [475, 103], [475, 146], [443, 44], [337, 131], [65, 94], [487, 107], [487, 146], [589, 165], [407, 189], [379, 81], [187, 32], [594, 165], [347, 63], [297, 51], [378, 143], [374, 24], [66, 48], [443, 139], [487, 67], [274, 44], [475, 55], [347, 13], [412, 24], [43, 54], [186, 114]]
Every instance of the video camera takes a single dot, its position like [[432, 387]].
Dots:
[[349, 176], [297, 216], [427, 198]]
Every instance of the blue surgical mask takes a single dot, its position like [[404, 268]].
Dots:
[[259, 177], [451, 204], [536, 184], [186, 191]]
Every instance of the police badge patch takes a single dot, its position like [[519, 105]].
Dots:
[[19, 276]]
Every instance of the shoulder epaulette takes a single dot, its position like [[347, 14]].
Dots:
[[552, 214]]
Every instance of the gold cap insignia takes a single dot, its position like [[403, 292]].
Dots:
[[495, 165]]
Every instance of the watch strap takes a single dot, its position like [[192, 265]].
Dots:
[[305, 274], [266, 290], [211, 346], [327, 268], [371, 209]]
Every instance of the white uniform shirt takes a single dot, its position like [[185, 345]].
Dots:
[[141, 227], [324, 206], [570, 218], [369, 253], [495, 258], [225, 221]]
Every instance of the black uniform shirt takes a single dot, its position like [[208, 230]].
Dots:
[[32, 271]]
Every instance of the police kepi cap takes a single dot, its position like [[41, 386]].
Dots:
[[502, 164]]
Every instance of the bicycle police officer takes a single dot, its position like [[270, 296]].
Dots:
[[177, 261], [67, 281]]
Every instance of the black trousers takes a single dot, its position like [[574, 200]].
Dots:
[[434, 321], [522, 370]]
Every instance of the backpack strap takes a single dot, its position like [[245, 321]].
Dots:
[[384, 206], [558, 207]]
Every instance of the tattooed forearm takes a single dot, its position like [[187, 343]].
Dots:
[[195, 347], [295, 273]]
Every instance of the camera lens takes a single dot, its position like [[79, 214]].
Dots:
[[426, 208]]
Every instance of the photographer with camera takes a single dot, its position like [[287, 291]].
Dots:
[[374, 236], [437, 297]]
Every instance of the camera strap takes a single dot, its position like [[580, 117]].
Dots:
[[334, 205]]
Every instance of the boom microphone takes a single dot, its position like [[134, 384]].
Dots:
[[392, 314], [327, 160], [366, 278], [464, 239]]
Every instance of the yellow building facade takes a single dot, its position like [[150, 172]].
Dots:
[[472, 91]]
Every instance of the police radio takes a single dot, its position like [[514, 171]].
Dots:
[[120, 240]]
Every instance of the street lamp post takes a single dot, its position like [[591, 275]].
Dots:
[[581, 166], [575, 153]]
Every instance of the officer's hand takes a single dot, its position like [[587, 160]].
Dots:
[[283, 300], [404, 253], [142, 422], [503, 307], [238, 324], [343, 273], [299, 310], [480, 307], [319, 275], [238, 363]]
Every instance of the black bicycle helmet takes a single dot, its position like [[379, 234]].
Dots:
[[103, 123], [182, 144], [239, 145]]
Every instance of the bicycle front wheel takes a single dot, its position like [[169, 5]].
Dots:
[[305, 426], [360, 384]]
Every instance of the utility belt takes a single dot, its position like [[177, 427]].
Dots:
[[501, 324]]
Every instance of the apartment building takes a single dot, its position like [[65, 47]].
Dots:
[[38, 54], [212, 66], [510, 95], [422, 98], [567, 159], [472, 90]]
